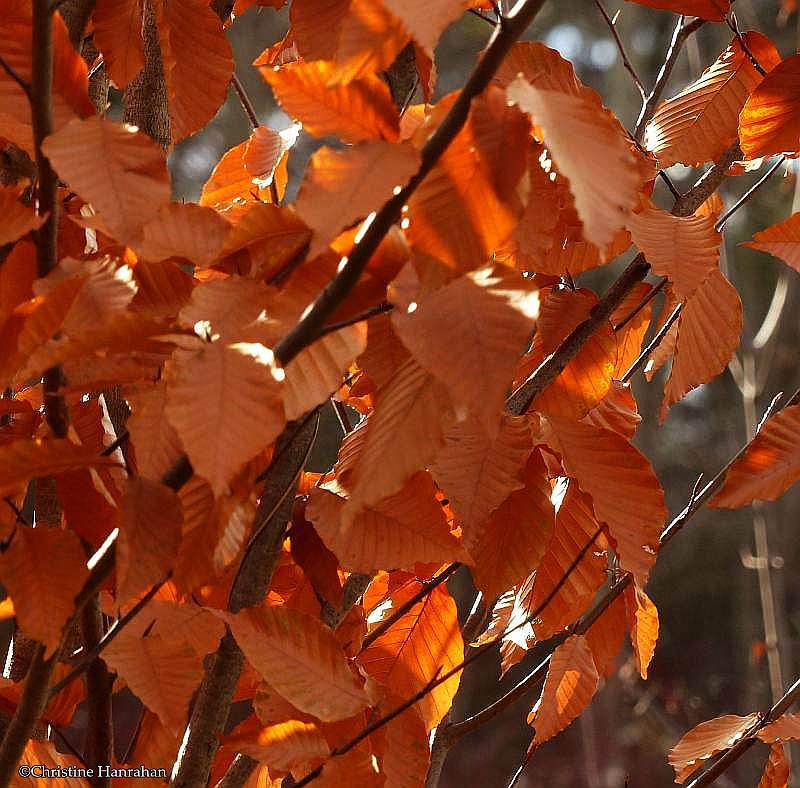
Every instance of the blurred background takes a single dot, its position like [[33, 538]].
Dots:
[[726, 588]]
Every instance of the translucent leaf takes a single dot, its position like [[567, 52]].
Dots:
[[706, 740], [17, 219], [769, 466], [341, 186], [782, 240], [643, 623], [162, 672], [118, 35], [122, 172], [225, 403], [282, 745], [702, 121], [395, 532], [582, 135], [785, 728], [478, 471], [713, 10], [43, 569], [357, 111], [683, 249], [489, 318], [150, 535], [776, 770], [768, 122], [299, 655], [427, 20], [707, 335], [570, 685], [198, 63], [625, 492], [423, 643]]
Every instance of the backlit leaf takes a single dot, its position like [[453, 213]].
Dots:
[[17, 219], [706, 740], [776, 770], [769, 466], [782, 240], [713, 10], [702, 121], [423, 643], [568, 689], [299, 656], [118, 35], [643, 623]]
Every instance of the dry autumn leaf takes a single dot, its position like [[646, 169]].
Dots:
[[713, 10], [706, 740], [782, 240]]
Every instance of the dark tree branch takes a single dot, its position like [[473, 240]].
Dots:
[[244, 100], [238, 772], [378, 309], [708, 183]]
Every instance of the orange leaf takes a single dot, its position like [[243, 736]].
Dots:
[[341, 186], [489, 318], [357, 111], [154, 439], [643, 623], [706, 740], [43, 569], [423, 643], [150, 535], [768, 122], [401, 436], [479, 471], [185, 231], [785, 728], [581, 135], [118, 35], [512, 542], [707, 335], [398, 531], [161, 671], [605, 637], [162, 289], [625, 492], [427, 20], [407, 755], [702, 121], [197, 61], [713, 10], [17, 219], [782, 240], [22, 460], [282, 745], [122, 172], [225, 403], [683, 249], [776, 770], [44, 753], [570, 685], [769, 466], [631, 336], [468, 204], [574, 526], [299, 656], [587, 378], [617, 411]]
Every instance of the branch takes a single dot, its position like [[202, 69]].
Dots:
[[95, 650], [653, 344], [99, 682], [238, 772], [309, 327], [791, 696], [679, 37], [612, 26], [747, 196], [379, 309], [708, 183], [244, 100], [250, 585], [654, 291]]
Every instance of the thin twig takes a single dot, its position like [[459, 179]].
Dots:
[[612, 26], [244, 100], [654, 291], [730, 20], [653, 344], [374, 311], [748, 195], [26, 88]]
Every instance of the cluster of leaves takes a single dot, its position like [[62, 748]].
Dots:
[[185, 310]]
